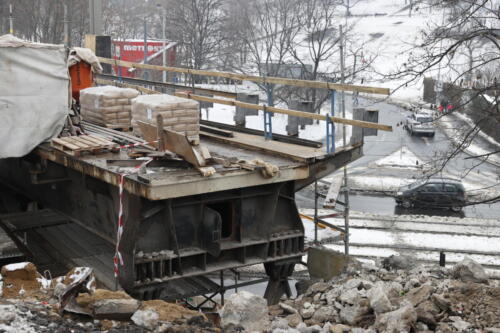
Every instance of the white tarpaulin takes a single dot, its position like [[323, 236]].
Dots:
[[34, 94]]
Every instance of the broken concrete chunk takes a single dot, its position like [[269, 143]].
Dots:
[[7, 313], [398, 262], [323, 314], [469, 271], [307, 312], [115, 309], [294, 319], [324, 263], [418, 295], [287, 308], [441, 302], [246, 310], [379, 301], [146, 318], [352, 314], [339, 328], [351, 296], [427, 312], [398, 321], [318, 287]]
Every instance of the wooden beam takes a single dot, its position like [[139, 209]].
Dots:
[[231, 102], [197, 90], [257, 79], [352, 122]]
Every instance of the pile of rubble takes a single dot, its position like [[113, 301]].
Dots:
[[395, 296], [32, 303], [370, 298]]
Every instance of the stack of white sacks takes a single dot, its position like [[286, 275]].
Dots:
[[179, 114], [108, 106]]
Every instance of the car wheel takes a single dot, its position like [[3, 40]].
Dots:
[[456, 208], [406, 203]]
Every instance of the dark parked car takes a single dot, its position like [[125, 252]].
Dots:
[[433, 192]]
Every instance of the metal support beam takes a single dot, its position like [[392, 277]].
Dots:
[[268, 116]]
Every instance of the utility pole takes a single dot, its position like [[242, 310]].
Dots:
[[163, 35], [11, 20], [344, 142], [145, 74], [66, 25], [95, 15]]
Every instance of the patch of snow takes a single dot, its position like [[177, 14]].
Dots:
[[45, 283], [79, 273], [16, 266], [483, 135], [401, 158]]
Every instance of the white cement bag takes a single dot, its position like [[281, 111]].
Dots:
[[179, 114], [34, 94]]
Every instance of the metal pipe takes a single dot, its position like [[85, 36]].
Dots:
[[145, 74], [164, 56], [344, 142], [66, 26], [315, 211], [11, 20]]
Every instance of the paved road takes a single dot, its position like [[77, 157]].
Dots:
[[427, 149]]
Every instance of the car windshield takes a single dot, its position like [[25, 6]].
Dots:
[[424, 119], [414, 185]]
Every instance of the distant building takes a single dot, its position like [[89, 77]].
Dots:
[[133, 50]]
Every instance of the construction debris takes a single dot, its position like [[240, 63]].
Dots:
[[31, 303], [368, 298]]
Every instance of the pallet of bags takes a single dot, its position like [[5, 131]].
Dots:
[[108, 106], [179, 114]]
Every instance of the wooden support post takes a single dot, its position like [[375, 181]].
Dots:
[[159, 133]]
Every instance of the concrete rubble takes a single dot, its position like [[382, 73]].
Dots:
[[397, 296], [366, 298], [72, 303]]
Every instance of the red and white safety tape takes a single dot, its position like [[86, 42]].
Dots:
[[117, 259]]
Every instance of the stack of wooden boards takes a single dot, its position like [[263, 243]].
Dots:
[[179, 114], [76, 145], [107, 106]]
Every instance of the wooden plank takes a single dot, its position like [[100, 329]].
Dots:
[[175, 142], [259, 143], [258, 79], [215, 130], [352, 122], [61, 144], [127, 85], [95, 141], [82, 139], [76, 142], [101, 140], [197, 90], [333, 192]]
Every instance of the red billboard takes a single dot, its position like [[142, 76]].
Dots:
[[133, 50]]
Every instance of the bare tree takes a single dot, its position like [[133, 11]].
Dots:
[[464, 50], [317, 45], [268, 29], [198, 26], [43, 20]]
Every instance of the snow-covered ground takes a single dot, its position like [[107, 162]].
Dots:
[[373, 235]]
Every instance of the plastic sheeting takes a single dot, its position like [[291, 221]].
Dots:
[[34, 94]]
